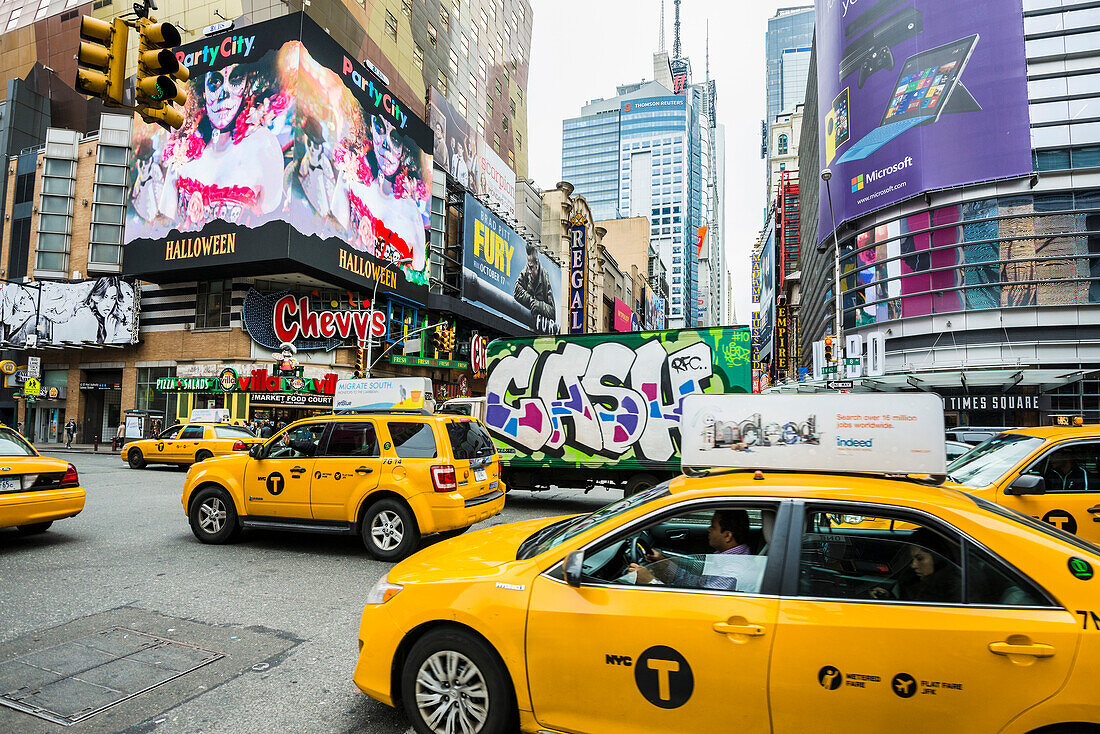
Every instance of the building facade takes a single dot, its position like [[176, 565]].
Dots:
[[788, 41], [988, 294]]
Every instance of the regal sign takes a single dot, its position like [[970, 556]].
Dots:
[[272, 319], [578, 273]]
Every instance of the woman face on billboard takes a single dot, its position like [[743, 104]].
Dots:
[[224, 91], [388, 145]]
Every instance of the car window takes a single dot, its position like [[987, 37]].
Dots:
[[353, 439], [1035, 524], [850, 556], [458, 409], [170, 432], [192, 432], [987, 463], [990, 583], [713, 549], [232, 432], [469, 440], [12, 444], [412, 440], [297, 441], [1074, 468]]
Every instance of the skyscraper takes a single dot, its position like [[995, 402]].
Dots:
[[788, 42]]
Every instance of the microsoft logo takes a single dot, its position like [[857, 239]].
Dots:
[[857, 183]]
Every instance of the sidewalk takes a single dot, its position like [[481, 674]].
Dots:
[[78, 448]]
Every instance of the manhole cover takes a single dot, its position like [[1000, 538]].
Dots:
[[80, 678]]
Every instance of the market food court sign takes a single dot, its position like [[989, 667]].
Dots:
[[260, 382]]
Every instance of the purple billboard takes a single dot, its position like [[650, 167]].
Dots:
[[918, 95]]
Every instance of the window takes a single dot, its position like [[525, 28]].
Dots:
[[460, 104], [170, 433], [454, 61], [213, 304], [191, 432], [298, 441], [232, 432], [489, 106], [496, 142], [391, 25], [407, 8], [469, 440], [107, 206], [149, 398], [481, 69], [465, 42], [499, 88], [412, 440], [512, 107], [431, 35], [353, 439], [418, 57], [441, 82], [1075, 468], [854, 556], [444, 18]]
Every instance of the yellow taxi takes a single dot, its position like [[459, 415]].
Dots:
[[732, 599], [35, 490], [389, 476], [1052, 473], [188, 443]]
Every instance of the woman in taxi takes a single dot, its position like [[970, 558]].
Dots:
[[932, 575]]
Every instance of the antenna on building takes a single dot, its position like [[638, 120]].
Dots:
[[676, 33], [661, 42], [708, 49]]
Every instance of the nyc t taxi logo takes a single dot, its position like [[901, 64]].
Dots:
[[857, 183]]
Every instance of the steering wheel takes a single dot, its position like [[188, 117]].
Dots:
[[637, 548]]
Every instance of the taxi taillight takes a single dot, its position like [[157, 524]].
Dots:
[[444, 478], [71, 478], [240, 445]]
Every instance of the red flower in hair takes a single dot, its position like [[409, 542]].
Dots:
[[242, 126], [400, 183], [194, 145], [363, 171], [279, 103]]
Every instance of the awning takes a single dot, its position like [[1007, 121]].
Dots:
[[986, 380]]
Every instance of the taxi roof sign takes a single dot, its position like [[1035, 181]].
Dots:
[[875, 433], [382, 393], [209, 415]]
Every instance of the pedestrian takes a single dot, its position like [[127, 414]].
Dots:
[[70, 433], [156, 426], [120, 432], [265, 432]]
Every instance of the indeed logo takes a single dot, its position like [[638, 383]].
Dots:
[[858, 182], [854, 443]]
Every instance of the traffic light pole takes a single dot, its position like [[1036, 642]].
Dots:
[[838, 307], [411, 333], [373, 295]]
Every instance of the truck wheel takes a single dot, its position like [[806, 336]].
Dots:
[[639, 483], [135, 459], [389, 530]]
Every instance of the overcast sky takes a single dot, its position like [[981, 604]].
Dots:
[[582, 50]]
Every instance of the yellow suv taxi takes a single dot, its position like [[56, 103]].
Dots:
[[35, 490], [188, 443], [1051, 473], [388, 476], [681, 606]]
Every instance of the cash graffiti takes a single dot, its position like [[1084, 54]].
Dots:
[[606, 400]]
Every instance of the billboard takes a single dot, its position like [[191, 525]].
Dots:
[[624, 316], [505, 276], [96, 311], [291, 156], [916, 96], [466, 155]]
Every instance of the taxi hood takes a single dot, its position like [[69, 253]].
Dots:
[[488, 552]]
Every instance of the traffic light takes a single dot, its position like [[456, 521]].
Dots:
[[450, 340], [440, 339], [828, 349], [160, 75], [359, 363], [101, 59]]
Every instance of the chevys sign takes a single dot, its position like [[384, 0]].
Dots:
[[275, 318]]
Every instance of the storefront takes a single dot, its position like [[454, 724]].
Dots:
[[256, 394]]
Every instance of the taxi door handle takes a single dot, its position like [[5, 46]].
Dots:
[[297, 470], [1094, 511], [725, 628], [1034, 649], [364, 470]]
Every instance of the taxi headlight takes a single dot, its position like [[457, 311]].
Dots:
[[383, 591]]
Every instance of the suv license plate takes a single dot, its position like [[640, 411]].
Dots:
[[479, 474], [10, 484]]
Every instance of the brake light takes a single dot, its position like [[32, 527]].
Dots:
[[71, 478], [240, 445], [443, 478]]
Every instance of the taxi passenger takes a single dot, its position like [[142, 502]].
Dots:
[[1064, 475], [726, 535]]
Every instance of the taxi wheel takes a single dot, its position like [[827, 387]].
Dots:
[[39, 527], [452, 681], [213, 516], [135, 459], [389, 530], [203, 456]]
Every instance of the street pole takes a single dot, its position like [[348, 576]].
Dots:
[[374, 292], [839, 300]]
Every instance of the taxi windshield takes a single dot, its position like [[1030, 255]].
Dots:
[[557, 533], [12, 444], [985, 464]]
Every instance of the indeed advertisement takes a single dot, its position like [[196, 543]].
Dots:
[[504, 275], [896, 433], [917, 95], [290, 150]]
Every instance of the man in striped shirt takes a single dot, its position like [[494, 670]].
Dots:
[[727, 535]]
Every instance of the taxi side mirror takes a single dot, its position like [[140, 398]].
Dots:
[[256, 451], [1027, 484], [574, 568]]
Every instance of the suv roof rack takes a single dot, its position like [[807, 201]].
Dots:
[[933, 480]]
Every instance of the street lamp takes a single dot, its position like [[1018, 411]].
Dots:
[[370, 341], [838, 322]]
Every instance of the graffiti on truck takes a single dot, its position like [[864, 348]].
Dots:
[[606, 400]]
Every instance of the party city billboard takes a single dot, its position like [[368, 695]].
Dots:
[[501, 274], [915, 96], [293, 157]]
